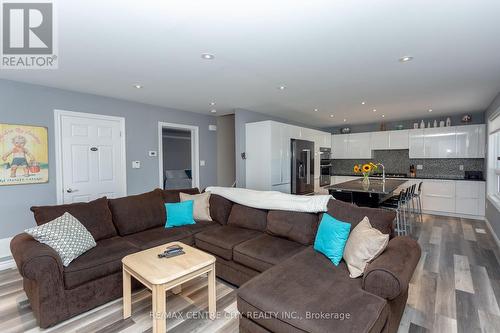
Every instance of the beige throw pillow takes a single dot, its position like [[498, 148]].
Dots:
[[201, 206], [364, 244]]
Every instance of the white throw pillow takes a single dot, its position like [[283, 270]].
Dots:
[[66, 235], [364, 244], [201, 207]]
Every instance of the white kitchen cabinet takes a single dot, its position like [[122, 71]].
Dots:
[[438, 195], [399, 139], [470, 197], [470, 141], [359, 145], [440, 142], [416, 143], [380, 140], [340, 144]]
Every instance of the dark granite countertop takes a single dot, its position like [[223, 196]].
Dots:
[[437, 177], [374, 186]]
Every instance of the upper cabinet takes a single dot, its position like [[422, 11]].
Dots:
[[351, 146], [471, 141], [440, 142], [389, 140]]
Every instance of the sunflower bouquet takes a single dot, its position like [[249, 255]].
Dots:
[[366, 169]]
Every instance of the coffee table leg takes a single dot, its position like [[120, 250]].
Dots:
[[212, 297], [159, 309], [127, 295]]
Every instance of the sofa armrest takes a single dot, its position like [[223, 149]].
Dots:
[[389, 274], [34, 259]]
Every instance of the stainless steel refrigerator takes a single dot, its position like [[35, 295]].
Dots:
[[302, 166]]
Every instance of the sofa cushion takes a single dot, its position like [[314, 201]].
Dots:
[[380, 219], [221, 240], [247, 217], [100, 261], [308, 283], [200, 226], [173, 195], [220, 208], [295, 226], [94, 215], [138, 212], [264, 251], [158, 236]]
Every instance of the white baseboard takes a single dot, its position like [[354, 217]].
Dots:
[[475, 217], [495, 237], [6, 254]]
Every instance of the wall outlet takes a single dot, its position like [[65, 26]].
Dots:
[[420, 167], [202, 162], [152, 153], [461, 167], [136, 164]]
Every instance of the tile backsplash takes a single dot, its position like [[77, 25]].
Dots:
[[398, 161]]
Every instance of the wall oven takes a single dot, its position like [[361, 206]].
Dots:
[[325, 166]]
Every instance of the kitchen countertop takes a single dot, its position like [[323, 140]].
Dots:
[[437, 177], [374, 186]]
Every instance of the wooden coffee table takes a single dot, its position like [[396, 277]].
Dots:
[[162, 274]]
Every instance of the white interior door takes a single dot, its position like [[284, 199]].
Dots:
[[92, 158]]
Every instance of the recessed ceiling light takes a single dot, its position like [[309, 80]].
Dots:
[[331, 116], [137, 86], [212, 103], [213, 111], [282, 87], [345, 120], [207, 56], [316, 110], [430, 110], [374, 110], [383, 116], [405, 59], [363, 103]]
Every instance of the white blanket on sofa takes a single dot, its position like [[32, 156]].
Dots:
[[273, 200]]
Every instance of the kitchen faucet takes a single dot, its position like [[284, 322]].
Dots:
[[383, 171]]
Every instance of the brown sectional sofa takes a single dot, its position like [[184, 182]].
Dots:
[[284, 284]]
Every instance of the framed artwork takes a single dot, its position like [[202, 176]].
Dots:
[[24, 154]]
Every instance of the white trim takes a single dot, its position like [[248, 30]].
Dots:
[[58, 147], [495, 237], [5, 253], [195, 151]]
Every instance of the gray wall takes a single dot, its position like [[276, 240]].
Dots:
[[226, 168], [243, 117], [33, 105], [477, 118], [492, 213]]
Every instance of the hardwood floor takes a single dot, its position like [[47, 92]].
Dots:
[[455, 288]]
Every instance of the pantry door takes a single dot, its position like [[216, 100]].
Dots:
[[90, 157]]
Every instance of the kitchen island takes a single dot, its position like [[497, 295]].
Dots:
[[370, 194]]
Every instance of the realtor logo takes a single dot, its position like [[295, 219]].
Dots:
[[28, 35]]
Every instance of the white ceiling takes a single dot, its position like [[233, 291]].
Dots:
[[331, 55]]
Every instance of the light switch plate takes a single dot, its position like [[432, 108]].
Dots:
[[136, 164], [202, 162], [152, 153], [212, 127], [420, 167], [461, 167]]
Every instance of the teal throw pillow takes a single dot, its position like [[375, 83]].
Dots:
[[179, 214], [331, 238]]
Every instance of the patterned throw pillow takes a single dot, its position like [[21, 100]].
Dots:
[[66, 235]]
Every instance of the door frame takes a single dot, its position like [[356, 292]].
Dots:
[[195, 151], [58, 114]]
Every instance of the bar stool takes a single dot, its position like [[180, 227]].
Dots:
[[397, 204], [417, 198], [409, 205]]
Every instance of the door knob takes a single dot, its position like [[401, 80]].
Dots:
[[69, 190]]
